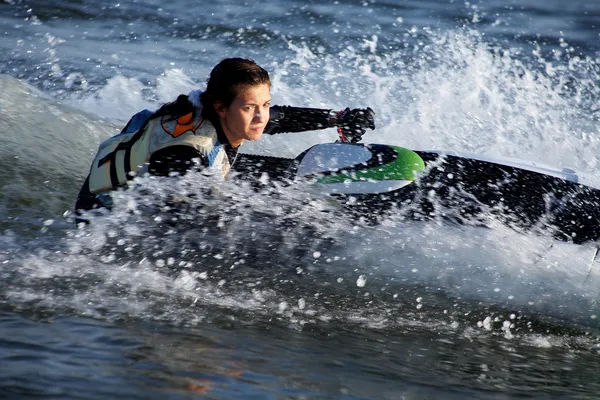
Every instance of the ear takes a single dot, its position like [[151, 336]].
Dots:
[[220, 109]]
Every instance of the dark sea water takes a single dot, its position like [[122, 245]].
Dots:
[[281, 296]]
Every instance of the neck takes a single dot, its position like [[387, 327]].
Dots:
[[231, 139], [234, 143], [224, 138], [224, 133]]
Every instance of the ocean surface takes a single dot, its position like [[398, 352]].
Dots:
[[275, 294]]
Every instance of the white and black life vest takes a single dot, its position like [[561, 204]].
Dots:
[[123, 156]]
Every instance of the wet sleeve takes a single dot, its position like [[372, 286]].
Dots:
[[176, 159], [297, 119]]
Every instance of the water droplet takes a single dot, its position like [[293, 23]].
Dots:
[[361, 281]]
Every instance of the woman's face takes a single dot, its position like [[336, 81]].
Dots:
[[248, 114]]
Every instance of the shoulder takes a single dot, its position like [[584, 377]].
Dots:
[[136, 122]]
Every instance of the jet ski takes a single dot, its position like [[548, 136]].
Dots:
[[372, 181], [382, 179]]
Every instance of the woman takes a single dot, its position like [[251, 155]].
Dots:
[[206, 129]]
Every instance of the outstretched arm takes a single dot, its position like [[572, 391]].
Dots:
[[353, 122], [298, 119]]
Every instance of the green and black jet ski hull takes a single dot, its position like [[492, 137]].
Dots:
[[467, 190]]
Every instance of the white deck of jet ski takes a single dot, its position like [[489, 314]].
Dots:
[[331, 157]]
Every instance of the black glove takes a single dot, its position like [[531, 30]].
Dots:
[[354, 123]]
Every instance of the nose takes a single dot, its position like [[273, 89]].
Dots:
[[259, 116]]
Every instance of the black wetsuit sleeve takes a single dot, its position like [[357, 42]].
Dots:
[[297, 119], [176, 159]]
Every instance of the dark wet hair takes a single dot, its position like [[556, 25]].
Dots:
[[222, 87], [225, 81], [175, 109]]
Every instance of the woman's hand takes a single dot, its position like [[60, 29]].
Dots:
[[354, 123]]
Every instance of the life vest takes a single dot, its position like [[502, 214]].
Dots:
[[125, 155]]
